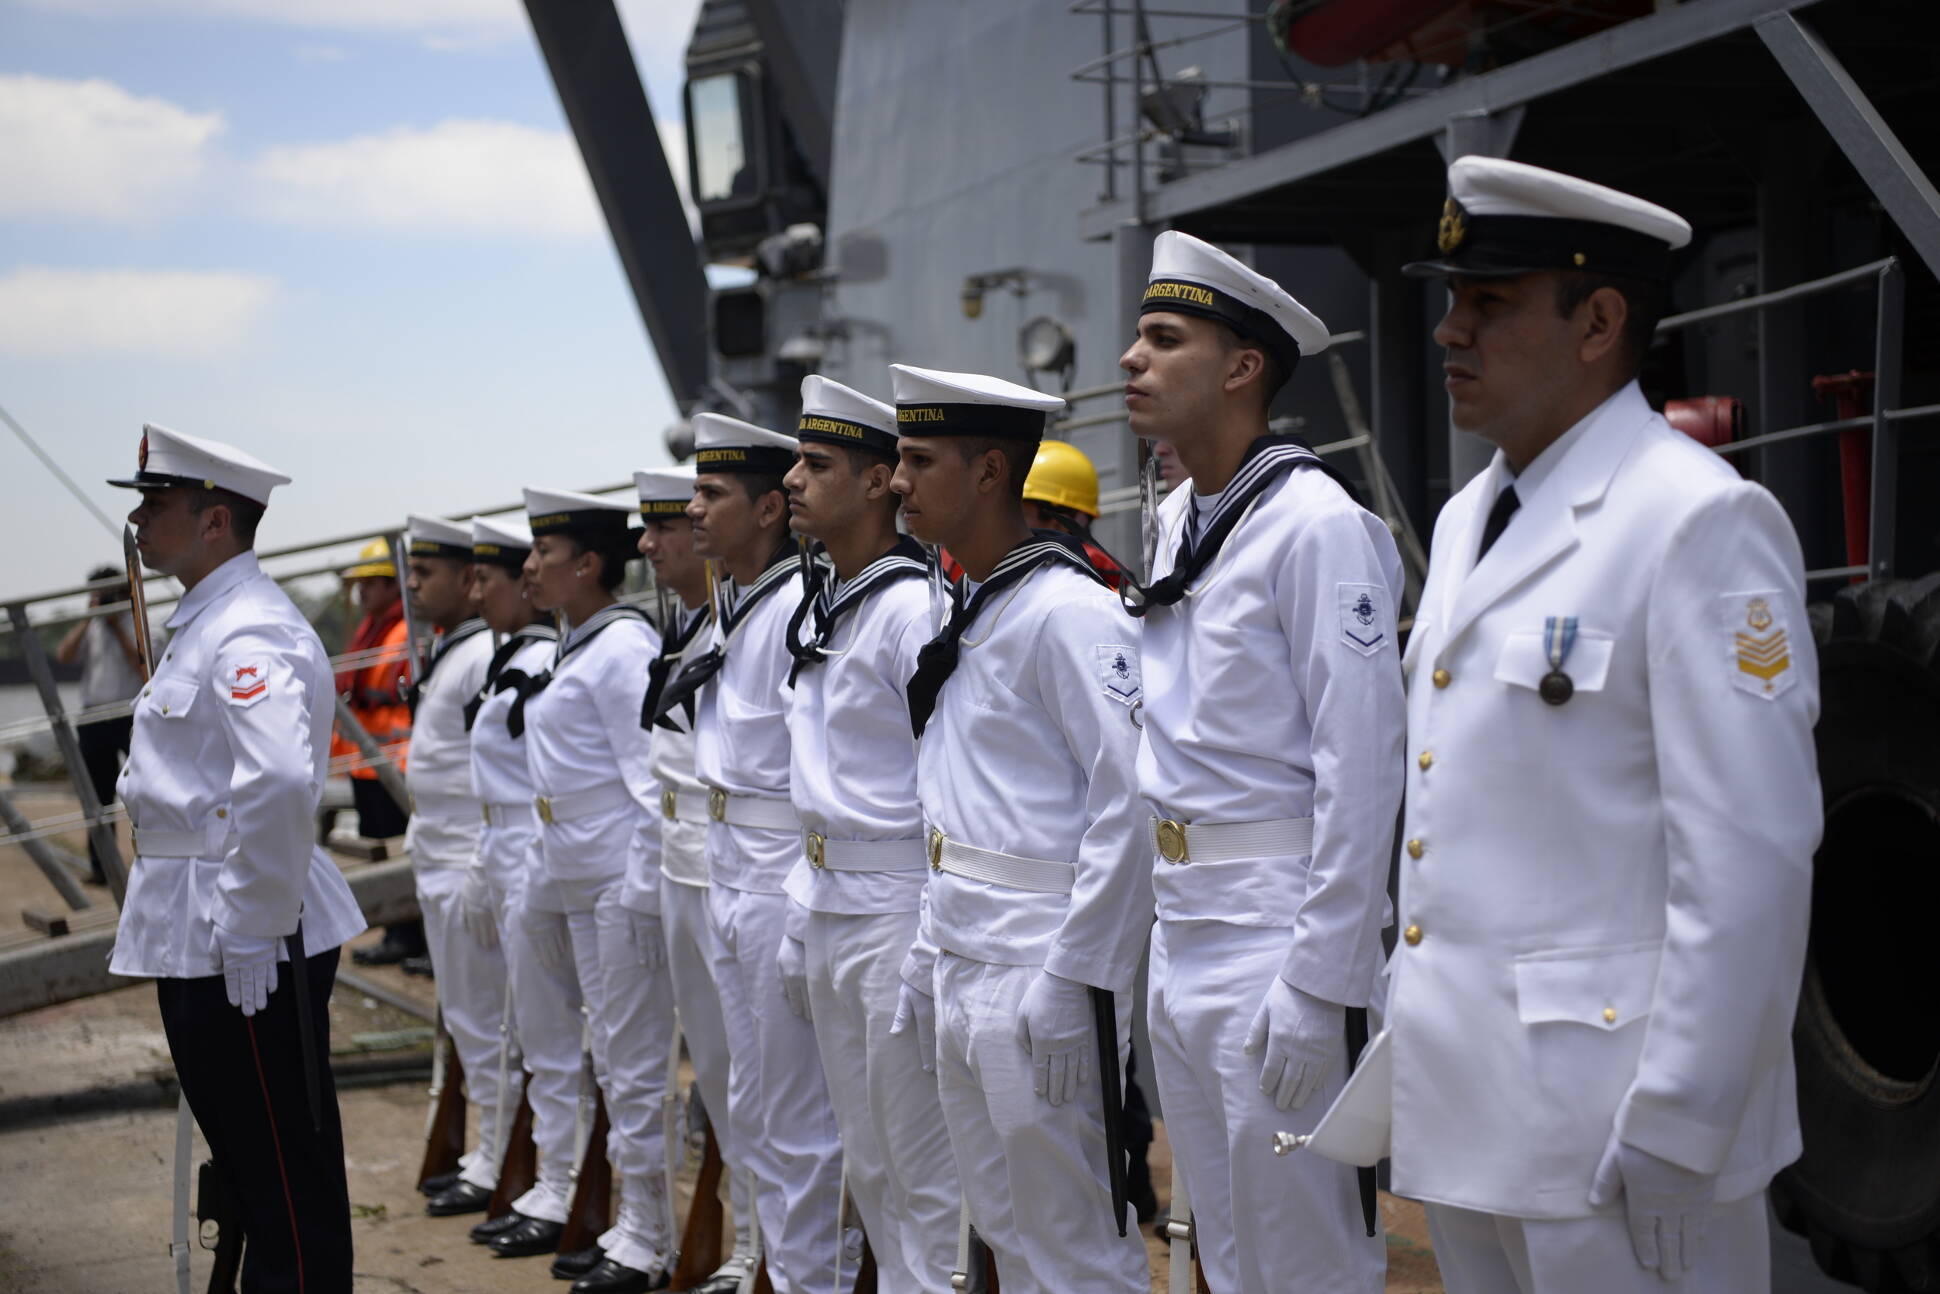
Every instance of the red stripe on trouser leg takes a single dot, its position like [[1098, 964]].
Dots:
[[276, 1141]]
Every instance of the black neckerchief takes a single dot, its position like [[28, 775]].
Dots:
[[680, 693], [1267, 459], [828, 604], [504, 653], [529, 686], [414, 692], [672, 648], [938, 659]]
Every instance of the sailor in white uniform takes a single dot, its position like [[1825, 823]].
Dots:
[[1612, 796], [861, 873], [778, 1104], [1039, 896], [443, 843], [224, 774], [1271, 759], [588, 758], [667, 542], [510, 879]]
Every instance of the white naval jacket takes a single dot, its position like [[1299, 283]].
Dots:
[[1604, 902], [1273, 690], [508, 846], [680, 846], [232, 738], [854, 759], [445, 819], [583, 735], [741, 743], [1030, 752]]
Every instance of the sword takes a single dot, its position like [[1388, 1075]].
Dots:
[[1104, 1013], [1357, 1043], [137, 602], [306, 1038]]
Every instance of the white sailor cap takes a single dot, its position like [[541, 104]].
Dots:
[[1504, 218], [436, 537], [840, 415], [724, 444], [1191, 276], [584, 516], [501, 543], [665, 491], [930, 402], [170, 458]]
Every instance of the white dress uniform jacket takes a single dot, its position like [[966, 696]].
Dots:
[[1605, 901], [445, 821], [213, 753]]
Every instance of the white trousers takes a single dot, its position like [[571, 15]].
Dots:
[[778, 1101], [1033, 1173], [896, 1150], [639, 1025], [471, 993], [1262, 1218], [1488, 1253], [690, 968], [545, 1009]]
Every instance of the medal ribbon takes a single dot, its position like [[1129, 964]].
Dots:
[[1559, 635]]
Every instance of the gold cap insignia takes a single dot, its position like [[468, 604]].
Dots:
[[1453, 229], [1758, 614]]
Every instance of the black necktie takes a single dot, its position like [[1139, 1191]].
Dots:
[[1505, 507]]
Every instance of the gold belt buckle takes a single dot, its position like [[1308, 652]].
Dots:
[[668, 803], [936, 850], [717, 804], [486, 810], [817, 845], [544, 804], [1172, 840]]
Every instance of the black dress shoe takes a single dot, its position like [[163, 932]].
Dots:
[[484, 1231], [419, 966], [611, 1278], [439, 1183], [726, 1279], [572, 1266], [528, 1237], [462, 1198]]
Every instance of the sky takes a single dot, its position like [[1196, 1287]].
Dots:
[[354, 237]]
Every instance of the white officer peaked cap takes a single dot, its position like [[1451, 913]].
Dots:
[[436, 537], [1496, 186], [724, 444], [170, 458], [931, 402], [1191, 276], [551, 512], [841, 415], [665, 491]]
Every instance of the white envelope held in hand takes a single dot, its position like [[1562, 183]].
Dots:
[[1355, 1129]]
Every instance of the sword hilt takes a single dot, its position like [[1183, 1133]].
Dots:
[[1288, 1141]]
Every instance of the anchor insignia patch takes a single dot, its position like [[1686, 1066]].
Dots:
[[1761, 650], [1118, 673], [1363, 617]]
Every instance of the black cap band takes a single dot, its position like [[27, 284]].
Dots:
[[998, 421], [745, 460], [437, 548], [1500, 246], [593, 525], [844, 431], [662, 509], [500, 555], [1176, 296]]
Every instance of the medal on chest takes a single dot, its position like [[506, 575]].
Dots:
[[1559, 635]]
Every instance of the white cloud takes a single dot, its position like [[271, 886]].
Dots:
[[91, 149], [345, 15], [488, 177], [155, 312]]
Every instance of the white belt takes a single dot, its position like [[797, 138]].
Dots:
[[683, 806], [1018, 873], [582, 804], [212, 841], [751, 811], [1180, 843], [507, 813], [864, 855]]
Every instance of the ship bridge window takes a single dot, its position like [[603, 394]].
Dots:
[[723, 152]]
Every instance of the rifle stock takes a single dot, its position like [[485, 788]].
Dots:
[[520, 1167], [591, 1211], [444, 1143], [700, 1242]]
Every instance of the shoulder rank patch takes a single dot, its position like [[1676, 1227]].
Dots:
[[1118, 673], [1363, 616], [247, 680], [1759, 643]]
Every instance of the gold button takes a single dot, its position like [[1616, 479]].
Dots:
[[1412, 934], [1415, 848], [222, 813], [1426, 760], [1609, 1015], [164, 707], [1442, 678]]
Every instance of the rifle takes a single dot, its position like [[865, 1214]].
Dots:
[[700, 1239], [444, 1122], [591, 1211], [214, 1204], [519, 1169]]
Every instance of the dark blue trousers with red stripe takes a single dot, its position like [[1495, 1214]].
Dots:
[[243, 1076]]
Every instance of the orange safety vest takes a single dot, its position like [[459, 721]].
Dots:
[[376, 695]]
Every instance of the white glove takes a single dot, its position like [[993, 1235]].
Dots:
[[791, 959], [1302, 1036], [1668, 1205], [916, 1010], [546, 933], [477, 909], [1054, 1025], [648, 939], [248, 967]]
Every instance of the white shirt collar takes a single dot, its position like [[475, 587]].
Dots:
[[1531, 478]]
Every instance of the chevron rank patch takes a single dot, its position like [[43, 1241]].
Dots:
[[247, 680], [1363, 616], [1760, 643], [1118, 673]]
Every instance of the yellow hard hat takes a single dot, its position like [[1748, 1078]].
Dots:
[[1062, 476], [373, 559]]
